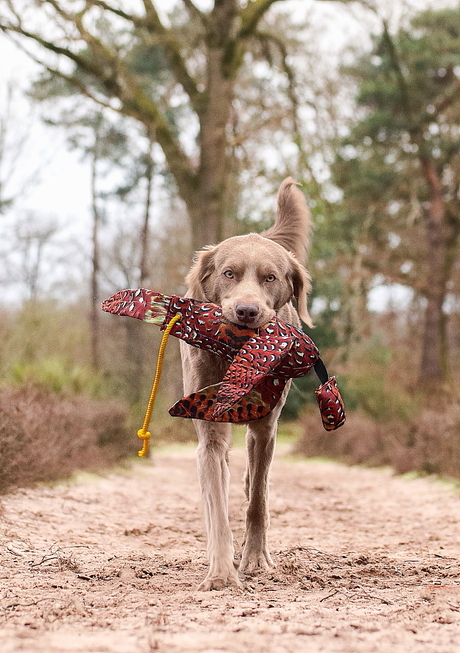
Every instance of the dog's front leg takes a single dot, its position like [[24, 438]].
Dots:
[[202, 369], [260, 444], [214, 477]]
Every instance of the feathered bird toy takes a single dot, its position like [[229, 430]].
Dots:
[[261, 360]]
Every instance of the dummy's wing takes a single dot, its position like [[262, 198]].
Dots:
[[257, 403], [256, 360]]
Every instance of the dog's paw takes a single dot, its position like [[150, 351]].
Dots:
[[212, 582], [253, 561]]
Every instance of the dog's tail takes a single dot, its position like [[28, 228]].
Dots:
[[293, 224]]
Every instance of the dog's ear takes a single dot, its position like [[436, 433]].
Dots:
[[200, 272], [301, 283], [293, 224]]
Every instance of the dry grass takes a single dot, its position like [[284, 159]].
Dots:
[[428, 442], [46, 436]]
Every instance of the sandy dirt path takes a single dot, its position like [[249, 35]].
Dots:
[[365, 562]]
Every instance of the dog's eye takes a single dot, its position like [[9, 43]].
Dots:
[[228, 274], [270, 277]]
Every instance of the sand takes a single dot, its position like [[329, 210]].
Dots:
[[365, 562]]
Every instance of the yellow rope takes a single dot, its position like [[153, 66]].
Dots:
[[143, 433]]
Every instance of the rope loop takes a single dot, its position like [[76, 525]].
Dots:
[[143, 433]]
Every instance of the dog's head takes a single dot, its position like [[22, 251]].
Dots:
[[253, 276]]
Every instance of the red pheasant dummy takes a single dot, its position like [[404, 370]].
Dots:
[[261, 360]]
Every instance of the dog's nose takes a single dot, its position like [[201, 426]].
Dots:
[[246, 312]]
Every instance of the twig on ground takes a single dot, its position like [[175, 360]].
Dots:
[[15, 551], [329, 596], [63, 561], [12, 606]]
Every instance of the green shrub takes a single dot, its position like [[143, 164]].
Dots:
[[55, 375], [374, 383]]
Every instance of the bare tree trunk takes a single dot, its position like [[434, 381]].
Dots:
[[134, 332], [433, 368], [95, 258], [144, 271], [209, 219], [208, 212]]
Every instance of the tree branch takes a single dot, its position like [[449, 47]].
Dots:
[[83, 63], [72, 81], [150, 11], [281, 46], [445, 102], [294, 102], [60, 11], [151, 21], [252, 14], [154, 25], [122, 84], [136, 20], [195, 12], [394, 61]]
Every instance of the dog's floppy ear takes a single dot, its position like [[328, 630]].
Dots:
[[301, 284], [201, 270]]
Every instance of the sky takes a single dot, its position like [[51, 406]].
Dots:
[[62, 185]]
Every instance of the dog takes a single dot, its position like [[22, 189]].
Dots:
[[253, 278]]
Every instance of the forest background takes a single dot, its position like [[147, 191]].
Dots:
[[187, 116]]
